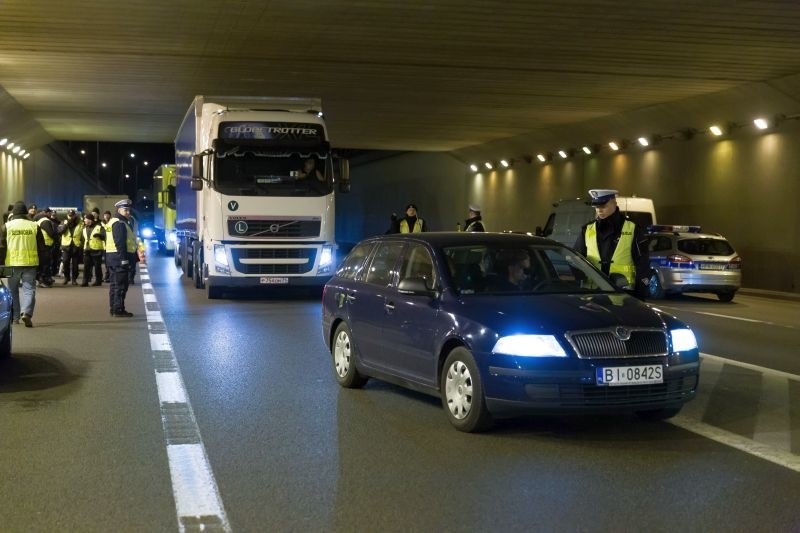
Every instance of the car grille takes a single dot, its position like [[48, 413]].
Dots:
[[267, 254], [673, 390], [273, 228], [618, 342]]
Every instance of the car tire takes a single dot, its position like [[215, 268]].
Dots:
[[462, 393], [659, 414], [5, 343], [654, 288], [343, 357], [726, 296]]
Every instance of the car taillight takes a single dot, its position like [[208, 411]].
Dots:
[[679, 260], [735, 263]]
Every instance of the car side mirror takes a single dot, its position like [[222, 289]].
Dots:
[[415, 286], [619, 281], [539, 232]]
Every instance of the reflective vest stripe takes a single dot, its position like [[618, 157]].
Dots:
[[417, 226], [21, 239], [72, 238], [130, 240], [622, 260], [48, 240], [90, 242]]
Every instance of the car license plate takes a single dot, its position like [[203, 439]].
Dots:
[[269, 280], [630, 375], [711, 266]]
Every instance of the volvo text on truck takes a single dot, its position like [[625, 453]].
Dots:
[[255, 193]]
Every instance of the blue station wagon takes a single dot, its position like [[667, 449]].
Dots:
[[498, 324]]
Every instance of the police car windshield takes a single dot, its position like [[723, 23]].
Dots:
[[242, 171], [497, 269]]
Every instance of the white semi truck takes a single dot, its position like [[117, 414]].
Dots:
[[255, 193]]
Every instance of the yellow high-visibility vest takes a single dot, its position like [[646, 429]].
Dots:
[[130, 238], [48, 240], [90, 242], [417, 226], [72, 238], [622, 260], [21, 239]]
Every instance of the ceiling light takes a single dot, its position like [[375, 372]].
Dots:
[[22, 152], [563, 154], [587, 150], [614, 146], [145, 163], [83, 152], [488, 165], [15, 150], [716, 130], [541, 158], [103, 164], [504, 163], [3, 141], [761, 123], [473, 167], [133, 155], [26, 156], [643, 141], [10, 146]]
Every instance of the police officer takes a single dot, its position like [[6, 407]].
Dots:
[[94, 242], [49, 234], [615, 244], [20, 245], [120, 250], [70, 231], [411, 223], [107, 227], [474, 220]]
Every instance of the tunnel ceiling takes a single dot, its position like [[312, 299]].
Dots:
[[411, 75]]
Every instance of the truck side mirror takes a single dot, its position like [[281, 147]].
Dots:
[[197, 168], [196, 184], [344, 175]]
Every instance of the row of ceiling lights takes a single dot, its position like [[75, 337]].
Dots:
[[615, 146], [14, 148]]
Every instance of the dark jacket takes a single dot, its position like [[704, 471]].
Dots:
[[47, 226], [477, 225], [118, 233]]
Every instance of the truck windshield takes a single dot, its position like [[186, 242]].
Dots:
[[242, 172]]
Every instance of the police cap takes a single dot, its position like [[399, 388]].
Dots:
[[124, 203], [601, 196], [475, 208]]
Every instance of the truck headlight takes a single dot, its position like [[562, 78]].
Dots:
[[219, 255], [172, 237], [326, 259], [683, 339], [529, 346]]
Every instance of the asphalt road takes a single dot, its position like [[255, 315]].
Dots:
[[290, 450]]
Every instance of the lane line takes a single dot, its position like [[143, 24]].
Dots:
[[762, 369], [720, 315], [198, 503]]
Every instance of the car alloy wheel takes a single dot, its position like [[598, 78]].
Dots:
[[344, 366]]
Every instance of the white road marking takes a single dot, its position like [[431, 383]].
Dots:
[[720, 315], [772, 439], [197, 498]]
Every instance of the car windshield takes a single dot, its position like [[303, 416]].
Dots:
[[705, 247], [502, 269], [242, 172]]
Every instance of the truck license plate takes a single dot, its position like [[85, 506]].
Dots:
[[268, 280], [630, 375]]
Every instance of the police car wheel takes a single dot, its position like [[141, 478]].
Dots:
[[654, 288], [726, 296]]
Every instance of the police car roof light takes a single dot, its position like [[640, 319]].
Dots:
[[655, 228]]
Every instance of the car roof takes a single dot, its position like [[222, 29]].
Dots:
[[456, 238]]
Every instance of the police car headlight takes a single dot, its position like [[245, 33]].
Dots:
[[219, 255], [683, 340], [529, 346], [325, 259], [148, 233]]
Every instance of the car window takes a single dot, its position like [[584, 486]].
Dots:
[[705, 247], [354, 261], [382, 268], [417, 263], [660, 243]]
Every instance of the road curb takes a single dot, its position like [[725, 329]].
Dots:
[[793, 296]]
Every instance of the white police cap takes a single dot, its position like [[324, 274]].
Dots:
[[474, 208], [124, 203], [601, 196]]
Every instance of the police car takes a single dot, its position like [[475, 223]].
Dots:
[[682, 259]]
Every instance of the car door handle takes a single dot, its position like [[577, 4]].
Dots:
[[389, 306]]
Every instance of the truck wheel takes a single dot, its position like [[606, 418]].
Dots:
[[197, 264], [176, 255]]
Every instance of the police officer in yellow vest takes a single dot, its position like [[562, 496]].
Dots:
[[120, 251], [70, 231], [106, 218], [615, 244], [412, 222], [94, 242], [48, 229], [21, 242]]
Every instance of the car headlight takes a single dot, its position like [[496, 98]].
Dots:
[[529, 346], [219, 255], [683, 339], [147, 233]]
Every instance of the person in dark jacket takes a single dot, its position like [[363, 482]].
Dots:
[[120, 251], [474, 221], [614, 244], [411, 223], [51, 239], [70, 235]]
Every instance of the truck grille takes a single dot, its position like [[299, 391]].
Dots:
[[274, 228], [267, 254], [618, 343]]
